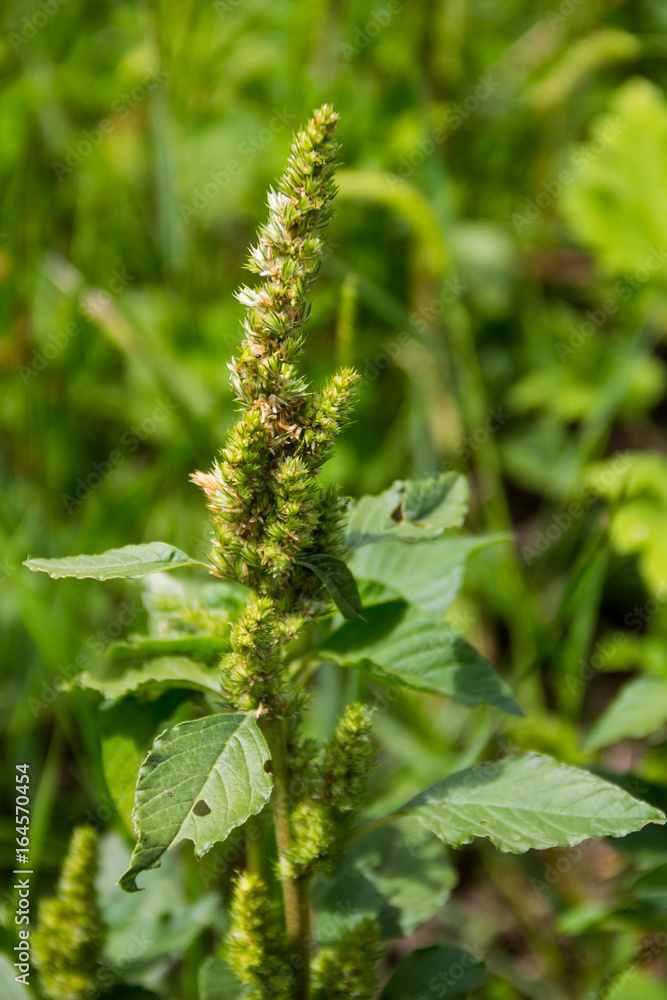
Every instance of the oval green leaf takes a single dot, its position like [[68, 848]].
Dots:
[[129, 563], [199, 781], [530, 802]]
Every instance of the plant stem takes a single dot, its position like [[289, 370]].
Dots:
[[295, 891]]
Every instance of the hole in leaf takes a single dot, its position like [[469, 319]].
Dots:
[[201, 808], [398, 514], [267, 766]]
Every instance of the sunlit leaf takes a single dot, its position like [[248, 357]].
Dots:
[[130, 562], [528, 802], [199, 781], [421, 652], [639, 709]]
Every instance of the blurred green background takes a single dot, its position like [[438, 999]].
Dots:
[[496, 271]]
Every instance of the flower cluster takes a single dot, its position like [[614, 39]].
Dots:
[[268, 508], [322, 818], [256, 947], [69, 935], [345, 970]]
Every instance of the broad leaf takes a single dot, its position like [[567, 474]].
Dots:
[[617, 205], [117, 678], [204, 647], [438, 971], [338, 580], [149, 930], [639, 709], [127, 729], [652, 885], [200, 781], [11, 990], [429, 574], [421, 652], [216, 981], [409, 512], [397, 873], [528, 802], [439, 502], [128, 563]]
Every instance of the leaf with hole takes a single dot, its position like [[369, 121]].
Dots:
[[413, 511], [199, 781], [127, 563]]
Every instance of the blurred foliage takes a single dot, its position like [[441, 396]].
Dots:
[[496, 272]]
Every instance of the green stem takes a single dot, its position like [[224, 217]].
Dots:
[[295, 891]]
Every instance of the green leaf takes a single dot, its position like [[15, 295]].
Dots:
[[205, 647], [402, 876], [200, 781], [116, 678], [127, 729], [147, 931], [409, 512], [528, 802], [438, 502], [437, 971], [639, 709], [651, 885], [11, 990], [617, 205], [338, 580], [429, 574], [421, 652], [128, 563], [216, 981]]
